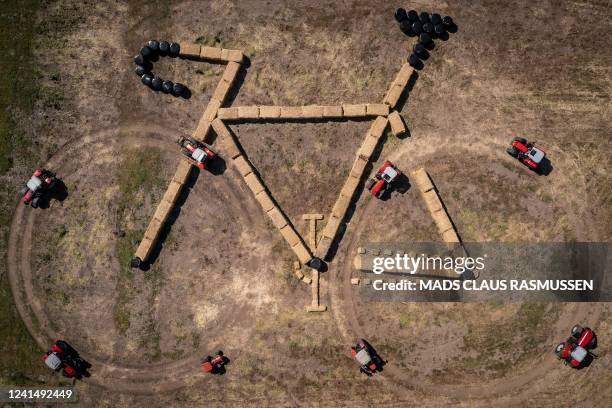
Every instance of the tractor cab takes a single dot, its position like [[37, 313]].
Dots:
[[198, 153], [535, 154], [53, 361], [34, 183], [389, 174]]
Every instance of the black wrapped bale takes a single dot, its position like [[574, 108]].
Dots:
[[140, 71], [145, 52], [139, 59], [146, 79], [428, 28], [415, 62], [439, 29], [153, 45], [405, 27], [424, 17], [447, 21], [420, 51], [413, 15], [417, 28], [164, 48], [167, 86], [178, 89], [156, 83], [436, 19], [400, 15], [424, 38], [174, 48]]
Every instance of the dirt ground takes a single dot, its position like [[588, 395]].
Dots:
[[223, 278]]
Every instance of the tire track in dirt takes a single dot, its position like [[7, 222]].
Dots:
[[345, 312], [137, 379]]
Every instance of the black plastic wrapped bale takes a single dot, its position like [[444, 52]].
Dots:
[[413, 15], [164, 48], [153, 45], [405, 27], [428, 28], [174, 48], [420, 51], [447, 21], [316, 263], [424, 17], [139, 59], [140, 71], [417, 28], [436, 19], [414, 61], [146, 79], [400, 15], [424, 38], [145, 52], [439, 29], [178, 89], [167, 86], [156, 83]]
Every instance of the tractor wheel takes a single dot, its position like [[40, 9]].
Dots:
[[175, 48], [369, 184], [592, 344], [512, 151], [35, 202], [208, 358], [521, 140], [576, 330], [220, 353], [559, 348]]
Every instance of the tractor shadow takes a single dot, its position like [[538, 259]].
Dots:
[[400, 186], [58, 193], [81, 365], [380, 363], [545, 167]]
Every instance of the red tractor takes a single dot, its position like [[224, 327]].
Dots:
[[366, 356], [38, 187], [526, 152], [385, 176], [62, 357], [215, 365], [576, 351], [198, 153]]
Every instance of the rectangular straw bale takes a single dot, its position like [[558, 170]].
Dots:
[[242, 165], [264, 200], [403, 75], [211, 110], [358, 167], [352, 110], [422, 180], [253, 183], [269, 112], [153, 229], [162, 211], [227, 113], [450, 236], [393, 95], [397, 124], [277, 217], [301, 251], [210, 53], [367, 148], [144, 248], [291, 112], [323, 247], [333, 112], [432, 201], [221, 91], [340, 207], [235, 56], [333, 223], [248, 112], [442, 221], [377, 109], [202, 129], [290, 235], [312, 111], [378, 127], [350, 185], [172, 192], [227, 141], [182, 171], [231, 72], [190, 51]]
